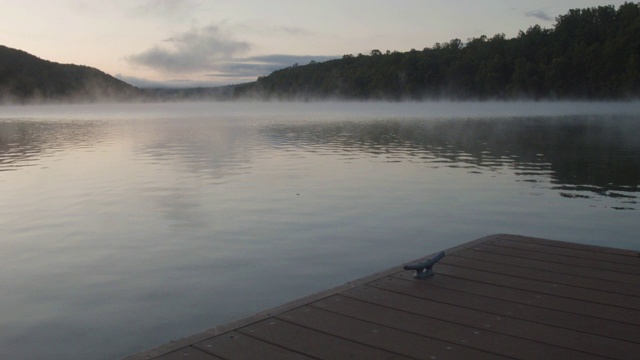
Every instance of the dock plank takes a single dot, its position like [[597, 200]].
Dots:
[[620, 263], [601, 343], [621, 292], [499, 297], [526, 297], [481, 336], [382, 337], [508, 256], [541, 287], [312, 342], [558, 313], [189, 353], [566, 245], [226, 347]]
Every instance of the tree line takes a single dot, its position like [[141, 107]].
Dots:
[[27, 78], [591, 53]]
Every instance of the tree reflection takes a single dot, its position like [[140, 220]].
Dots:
[[23, 142], [579, 156]]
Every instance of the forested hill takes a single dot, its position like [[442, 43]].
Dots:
[[27, 78], [589, 53]]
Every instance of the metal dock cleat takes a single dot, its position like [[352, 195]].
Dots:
[[423, 269]]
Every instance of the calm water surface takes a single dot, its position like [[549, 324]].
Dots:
[[125, 226]]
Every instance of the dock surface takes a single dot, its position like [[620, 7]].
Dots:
[[498, 297]]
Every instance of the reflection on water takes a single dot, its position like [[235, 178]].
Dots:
[[22, 142], [582, 157], [214, 150], [120, 233]]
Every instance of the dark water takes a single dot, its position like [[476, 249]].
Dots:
[[123, 227]]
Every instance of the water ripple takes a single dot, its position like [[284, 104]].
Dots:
[[574, 152], [117, 227]]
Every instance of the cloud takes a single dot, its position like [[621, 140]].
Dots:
[[294, 30], [539, 14], [140, 82], [252, 67], [199, 49], [172, 83], [233, 71], [278, 61], [171, 8]]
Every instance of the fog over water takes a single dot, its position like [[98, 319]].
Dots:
[[124, 226]]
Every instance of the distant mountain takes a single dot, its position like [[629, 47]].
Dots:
[[591, 53], [25, 78]]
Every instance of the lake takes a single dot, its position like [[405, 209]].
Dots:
[[125, 226]]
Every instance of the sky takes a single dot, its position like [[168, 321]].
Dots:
[[180, 43]]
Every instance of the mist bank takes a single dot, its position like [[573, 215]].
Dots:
[[25, 78], [589, 54]]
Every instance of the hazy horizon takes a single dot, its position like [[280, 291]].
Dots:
[[206, 43]]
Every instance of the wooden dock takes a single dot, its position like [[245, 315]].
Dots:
[[498, 297]]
